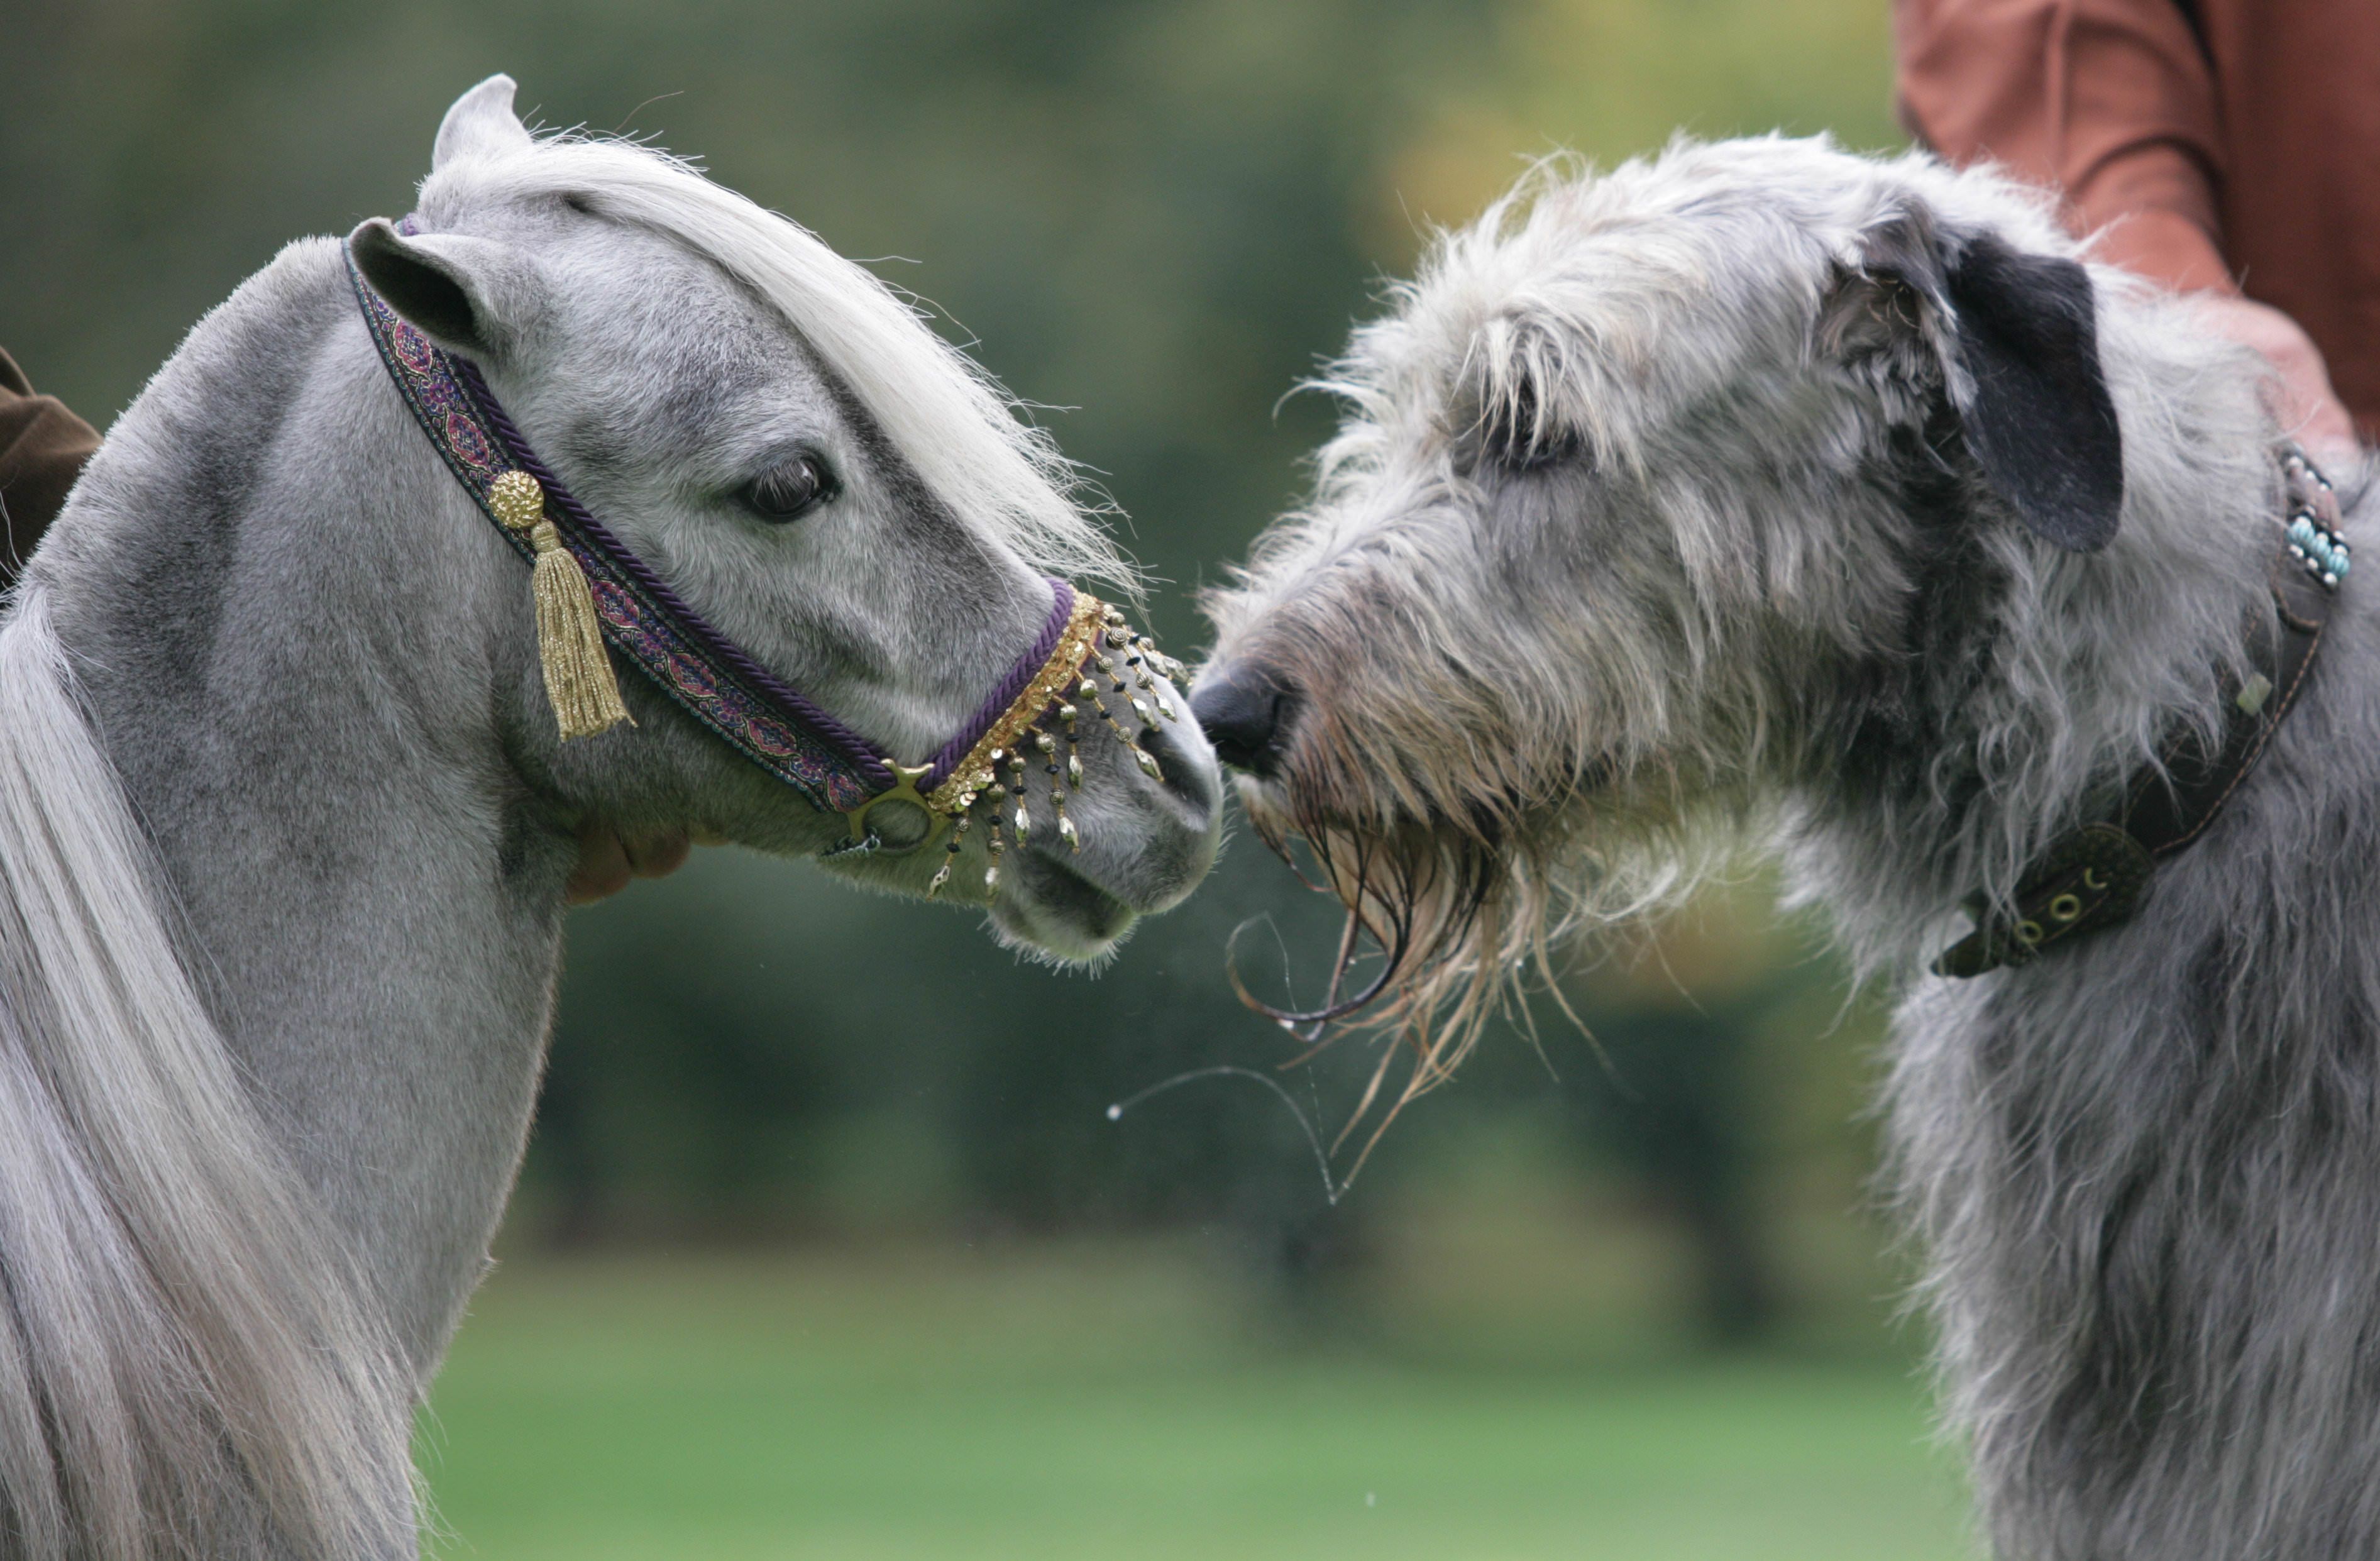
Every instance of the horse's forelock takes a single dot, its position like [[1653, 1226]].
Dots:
[[971, 441]]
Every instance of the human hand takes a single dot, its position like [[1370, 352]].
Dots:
[[2300, 394], [607, 859]]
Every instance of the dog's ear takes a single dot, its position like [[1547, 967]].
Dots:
[[2016, 338], [2037, 413]]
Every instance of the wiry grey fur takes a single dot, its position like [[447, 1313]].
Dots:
[[284, 821], [1656, 516]]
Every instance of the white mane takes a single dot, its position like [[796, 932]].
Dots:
[[951, 420], [179, 1324]]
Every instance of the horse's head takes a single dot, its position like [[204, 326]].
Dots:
[[809, 468]]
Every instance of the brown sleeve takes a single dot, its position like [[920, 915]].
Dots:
[[43, 448], [2109, 101]]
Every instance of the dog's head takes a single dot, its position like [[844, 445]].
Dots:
[[1632, 478]]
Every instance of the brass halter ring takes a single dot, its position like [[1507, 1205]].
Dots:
[[902, 790]]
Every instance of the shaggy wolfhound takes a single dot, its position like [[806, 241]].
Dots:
[[1765, 491]]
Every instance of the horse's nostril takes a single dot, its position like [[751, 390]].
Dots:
[[1185, 775], [1243, 710]]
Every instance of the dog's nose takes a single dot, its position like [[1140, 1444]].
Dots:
[[1244, 710]]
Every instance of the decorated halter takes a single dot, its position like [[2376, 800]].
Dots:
[[591, 592]]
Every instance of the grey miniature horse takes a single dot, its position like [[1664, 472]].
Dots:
[[1762, 489], [285, 821]]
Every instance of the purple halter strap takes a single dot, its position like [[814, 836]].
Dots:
[[699, 668]]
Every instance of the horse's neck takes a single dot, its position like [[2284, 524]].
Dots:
[[287, 621]]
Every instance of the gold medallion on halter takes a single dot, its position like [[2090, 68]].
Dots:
[[579, 682]]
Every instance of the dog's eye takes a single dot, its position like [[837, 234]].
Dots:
[[1515, 452], [789, 490], [1513, 437]]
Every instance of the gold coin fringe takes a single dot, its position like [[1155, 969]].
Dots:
[[1038, 732], [579, 682]]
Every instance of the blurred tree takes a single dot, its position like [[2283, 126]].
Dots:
[[1675, 1018], [1614, 78]]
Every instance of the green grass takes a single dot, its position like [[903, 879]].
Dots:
[[1114, 1404]]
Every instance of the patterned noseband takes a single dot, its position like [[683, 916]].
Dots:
[[587, 581]]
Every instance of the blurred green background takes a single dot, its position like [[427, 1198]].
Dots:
[[827, 1244]]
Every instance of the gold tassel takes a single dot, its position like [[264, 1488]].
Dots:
[[578, 677], [579, 682]]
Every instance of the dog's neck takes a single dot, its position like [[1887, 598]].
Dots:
[[2027, 684]]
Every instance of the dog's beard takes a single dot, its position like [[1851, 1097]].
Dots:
[[1456, 916]]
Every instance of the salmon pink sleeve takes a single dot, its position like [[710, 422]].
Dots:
[[2111, 101]]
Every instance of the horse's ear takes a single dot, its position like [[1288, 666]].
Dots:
[[2016, 336], [471, 296], [481, 124]]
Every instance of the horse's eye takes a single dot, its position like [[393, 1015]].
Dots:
[[789, 491]]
